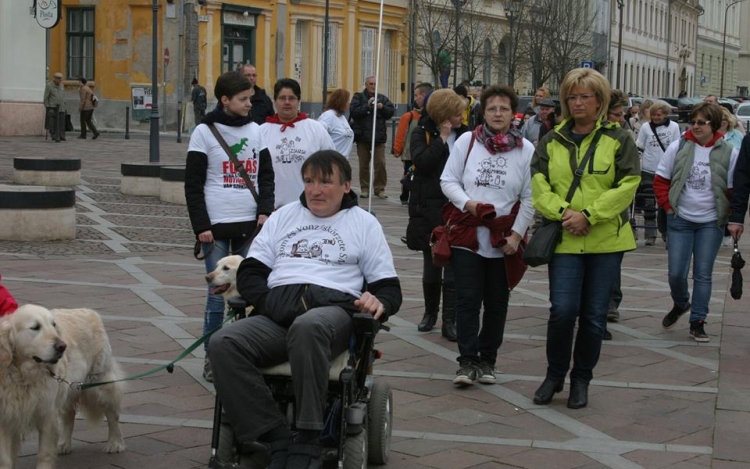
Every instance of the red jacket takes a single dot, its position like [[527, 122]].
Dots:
[[7, 302]]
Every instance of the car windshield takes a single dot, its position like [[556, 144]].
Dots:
[[743, 111]]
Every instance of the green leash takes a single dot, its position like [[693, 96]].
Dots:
[[169, 366]]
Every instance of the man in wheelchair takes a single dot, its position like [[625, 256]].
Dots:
[[304, 276]]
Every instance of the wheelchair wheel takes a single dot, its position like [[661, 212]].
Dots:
[[355, 451], [379, 422]]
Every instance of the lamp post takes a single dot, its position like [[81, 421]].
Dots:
[[724, 46], [458, 4], [326, 33], [153, 147], [620, 5], [512, 10]]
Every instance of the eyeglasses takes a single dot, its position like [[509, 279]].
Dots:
[[497, 110], [699, 123], [583, 97], [287, 98]]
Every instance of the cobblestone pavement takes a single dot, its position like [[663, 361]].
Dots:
[[659, 400]]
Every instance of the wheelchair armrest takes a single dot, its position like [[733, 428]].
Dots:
[[237, 302], [365, 325]]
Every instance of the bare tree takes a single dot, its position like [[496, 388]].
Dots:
[[570, 39], [475, 29], [535, 41], [435, 24]]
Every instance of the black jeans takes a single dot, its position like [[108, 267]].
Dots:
[[479, 280], [87, 120]]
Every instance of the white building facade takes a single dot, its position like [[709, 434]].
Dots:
[[711, 41], [743, 74]]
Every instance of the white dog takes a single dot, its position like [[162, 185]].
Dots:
[[37, 345], [223, 280]]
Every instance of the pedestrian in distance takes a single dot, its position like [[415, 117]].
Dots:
[[291, 138], [335, 121], [595, 227], [200, 101], [261, 102], [488, 183], [362, 107], [431, 144], [54, 102], [408, 122], [693, 182], [86, 105], [224, 213]]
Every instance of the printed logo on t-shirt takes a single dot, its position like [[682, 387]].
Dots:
[[289, 151], [698, 178], [491, 172], [231, 176], [317, 242]]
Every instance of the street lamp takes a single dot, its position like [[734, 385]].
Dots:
[[512, 10], [724, 46], [620, 5], [153, 147], [326, 34], [458, 4]]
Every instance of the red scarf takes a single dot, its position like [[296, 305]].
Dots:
[[689, 136], [274, 119]]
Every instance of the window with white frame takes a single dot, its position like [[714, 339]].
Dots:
[[80, 36], [368, 52], [332, 52], [299, 31]]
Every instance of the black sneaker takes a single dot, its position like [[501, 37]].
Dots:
[[607, 335], [486, 373], [697, 332], [466, 375], [671, 318], [613, 315]]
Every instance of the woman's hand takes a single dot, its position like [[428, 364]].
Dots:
[[206, 237], [512, 244], [445, 130], [471, 207], [575, 222]]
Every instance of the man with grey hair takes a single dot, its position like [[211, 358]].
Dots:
[[262, 106], [711, 98], [54, 101], [361, 109]]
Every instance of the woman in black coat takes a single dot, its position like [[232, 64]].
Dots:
[[431, 143]]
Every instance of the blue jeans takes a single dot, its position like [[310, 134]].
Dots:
[[700, 241], [479, 280], [580, 286], [214, 312]]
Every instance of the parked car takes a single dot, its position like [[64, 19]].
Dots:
[[743, 114], [730, 104], [740, 99], [675, 114], [685, 106]]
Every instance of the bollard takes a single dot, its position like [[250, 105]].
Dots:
[[61, 122], [127, 122], [179, 124]]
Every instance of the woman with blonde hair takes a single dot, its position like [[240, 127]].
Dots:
[[335, 122], [595, 227], [729, 127], [431, 143]]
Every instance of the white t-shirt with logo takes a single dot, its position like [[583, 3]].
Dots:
[[228, 199], [340, 131], [652, 152], [697, 200], [339, 252], [289, 149]]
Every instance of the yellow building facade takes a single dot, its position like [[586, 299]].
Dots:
[[109, 42]]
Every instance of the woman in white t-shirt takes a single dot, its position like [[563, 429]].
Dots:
[[691, 185], [223, 213], [291, 137], [335, 121]]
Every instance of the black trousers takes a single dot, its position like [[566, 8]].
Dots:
[[87, 120]]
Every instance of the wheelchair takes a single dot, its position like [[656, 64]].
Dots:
[[359, 411]]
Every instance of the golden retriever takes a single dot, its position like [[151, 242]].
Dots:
[[223, 280], [37, 344]]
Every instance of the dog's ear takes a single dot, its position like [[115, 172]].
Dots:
[[6, 344]]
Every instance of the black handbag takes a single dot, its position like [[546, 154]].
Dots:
[[545, 239]]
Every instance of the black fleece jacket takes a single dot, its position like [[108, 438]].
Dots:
[[741, 184], [252, 282]]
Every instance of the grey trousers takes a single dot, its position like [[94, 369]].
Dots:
[[241, 349]]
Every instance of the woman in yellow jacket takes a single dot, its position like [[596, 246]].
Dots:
[[596, 228]]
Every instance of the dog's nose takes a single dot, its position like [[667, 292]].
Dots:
[[208, 279], [60, 346]]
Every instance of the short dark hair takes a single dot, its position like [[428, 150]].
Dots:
[[290, 83], [424, 87], [229, 84], [461, 91], [83, 80], [499, 90], [321, 163], [194, 82], [710, 111]]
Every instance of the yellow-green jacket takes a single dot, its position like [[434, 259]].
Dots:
[[606, 190]]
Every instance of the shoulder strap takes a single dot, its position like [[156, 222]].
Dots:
[[656, 134], [579, 172], [240, 167], [471, 145]]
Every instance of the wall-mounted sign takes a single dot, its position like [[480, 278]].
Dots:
[[47, 13]]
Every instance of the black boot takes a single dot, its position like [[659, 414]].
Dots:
[[431, 293], [579, 395], [547, 390], [449, 312]]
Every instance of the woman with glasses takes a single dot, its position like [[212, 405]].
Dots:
[[223, 212], [487, 181], [692, 184], [291, 137], [595, 227]]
